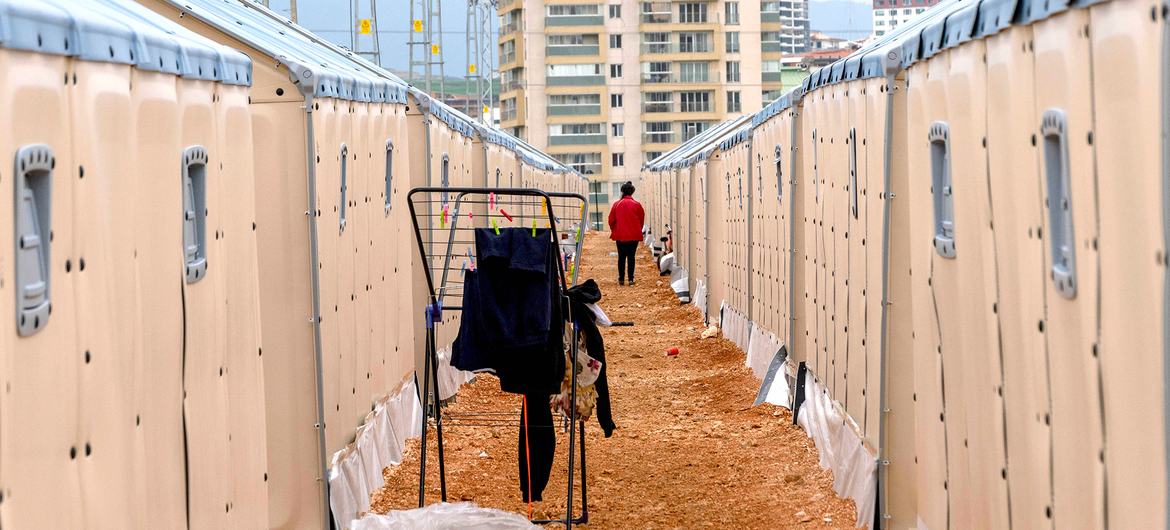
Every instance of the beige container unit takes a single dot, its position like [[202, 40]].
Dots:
[[700, 232], [1125, 91], [858, 355], [933, 436], [40, 476], [347, 97], [123, 259], [886, 111], [1063, 108], [105, 289], [760, 240], [736, 160], [817, 117], [718, 207], [1017, 209], [159, 468], [964, 282]]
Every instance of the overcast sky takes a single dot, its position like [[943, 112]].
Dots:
[[332, 19]]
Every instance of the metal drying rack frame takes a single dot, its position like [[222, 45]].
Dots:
[[443, 229]]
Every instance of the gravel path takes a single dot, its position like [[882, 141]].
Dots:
[[690, 450]]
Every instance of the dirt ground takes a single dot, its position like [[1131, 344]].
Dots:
[[690, 451]]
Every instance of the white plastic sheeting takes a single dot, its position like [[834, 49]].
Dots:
[[841, 448], [450, 378], [735, 326], [762, 346], [356, 470], [445, 516], [700, 298]]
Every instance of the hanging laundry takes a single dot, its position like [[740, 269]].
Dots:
[[512, 323], [580, 298]]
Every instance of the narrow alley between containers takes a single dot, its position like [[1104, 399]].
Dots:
[[690, 450]]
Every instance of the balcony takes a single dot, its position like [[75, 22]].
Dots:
[[508, 58], [771, 77], [771, 46], [577, 139], [512, 84], [655, 48], [508, 114], [574, 20], [658, 106], [504, 5], [673, 17], [657, 78], [509, 28], [575, 80], [770, 16], [574, 110], [659, 137], [572, 50]]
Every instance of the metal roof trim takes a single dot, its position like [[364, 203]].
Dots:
[[120, 32]]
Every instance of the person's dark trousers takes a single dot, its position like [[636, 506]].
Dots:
[[626, 250], [542, 446]]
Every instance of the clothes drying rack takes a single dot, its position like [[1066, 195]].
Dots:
[[444, 222]]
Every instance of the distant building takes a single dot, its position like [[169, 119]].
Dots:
[[821, 41], [606, 86], [811, 60], [889, 14]]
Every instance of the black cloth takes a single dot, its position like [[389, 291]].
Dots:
[[541, 448], [589, 293], [626, 250], [512, 319]]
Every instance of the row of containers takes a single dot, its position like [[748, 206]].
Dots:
[[208, 265], [959, 233]]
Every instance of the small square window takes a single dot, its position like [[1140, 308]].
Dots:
[[616, 101], [615, 11], [619, 129], [615, 41], [618, 159], [615, 70]]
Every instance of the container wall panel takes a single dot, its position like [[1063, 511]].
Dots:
[[1064, 84], [206, 406], [41, 474], [105, 287], [1130, 207], [932, 443], [158, 355], [1017, 211]]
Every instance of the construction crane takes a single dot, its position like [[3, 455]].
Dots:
[[426, 44], [480, 48]]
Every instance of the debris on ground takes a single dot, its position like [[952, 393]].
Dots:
[[689, 444], [710, 333]]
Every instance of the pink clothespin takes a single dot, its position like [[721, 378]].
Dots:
[[443, 216], [492, 201]]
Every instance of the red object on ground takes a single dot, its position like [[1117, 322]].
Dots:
[[672, 351], [626, 218]]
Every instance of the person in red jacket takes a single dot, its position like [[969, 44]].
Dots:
[[626, 218]]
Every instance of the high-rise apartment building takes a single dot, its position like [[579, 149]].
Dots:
[[889, 14], [607, 85]]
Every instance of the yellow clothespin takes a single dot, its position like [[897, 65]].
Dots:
[[443, 218], [496, 227], [534, 228]]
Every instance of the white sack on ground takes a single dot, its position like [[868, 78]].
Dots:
[[445, 516], [841, 449]]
